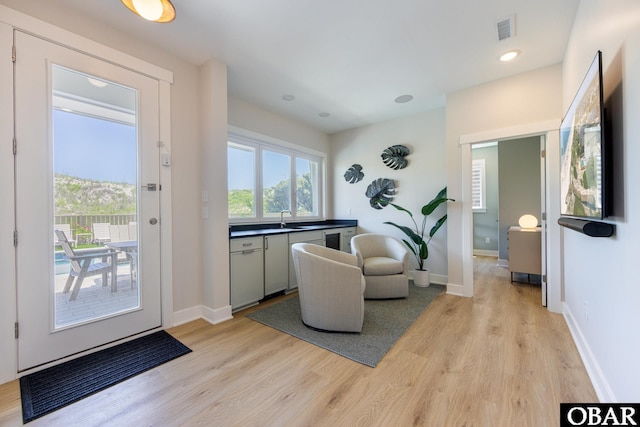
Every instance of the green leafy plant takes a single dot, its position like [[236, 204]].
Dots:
[[417, 243]]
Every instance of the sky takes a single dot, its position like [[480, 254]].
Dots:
[[96, 149]]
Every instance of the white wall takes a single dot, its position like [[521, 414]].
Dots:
[[416, 184], [215, 226], [602, 292], [250, 117]]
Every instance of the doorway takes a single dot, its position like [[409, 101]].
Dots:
[[86, 164], [512, 178], [551, 240]]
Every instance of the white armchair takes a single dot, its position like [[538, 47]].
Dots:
[[384, 261], [330, 288]]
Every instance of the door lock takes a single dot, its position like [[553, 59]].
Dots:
[[153, 221], [149, 187]]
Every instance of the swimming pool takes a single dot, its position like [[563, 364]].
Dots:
[[61, 264]]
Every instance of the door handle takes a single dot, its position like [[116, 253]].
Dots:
[[150, 187], [153, 221]]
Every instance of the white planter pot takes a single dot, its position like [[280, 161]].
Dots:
[[421, 278]]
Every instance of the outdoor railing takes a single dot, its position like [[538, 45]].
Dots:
[[85, 221]]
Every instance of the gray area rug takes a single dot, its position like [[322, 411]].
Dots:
[[384, 323]]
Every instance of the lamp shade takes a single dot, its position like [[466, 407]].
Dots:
[[528, 221], [152, 10]]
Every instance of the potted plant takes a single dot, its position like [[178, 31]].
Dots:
[[417, 243]]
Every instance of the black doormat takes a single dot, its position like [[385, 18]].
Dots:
[[53, 388]]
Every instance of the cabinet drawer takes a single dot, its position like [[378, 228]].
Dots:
[[349, 232], [305, 236], [245, 244]]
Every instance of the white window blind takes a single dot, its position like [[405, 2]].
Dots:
[[478, 186]]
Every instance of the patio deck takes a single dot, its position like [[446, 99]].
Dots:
[[94, 300]]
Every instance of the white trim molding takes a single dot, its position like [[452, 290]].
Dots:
[[553, 244], [598, 379], [213, 316]]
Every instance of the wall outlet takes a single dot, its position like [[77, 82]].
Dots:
[[348, 211], [487, 239], [586, 311]]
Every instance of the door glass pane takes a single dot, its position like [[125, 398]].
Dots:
[[95, 169], [306, 187], [276, 182], [241, 181]]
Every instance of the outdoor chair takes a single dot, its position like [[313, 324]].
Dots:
[[133, 230], [119, 233], [330, 288], [101, 232], [385, 264], [83, 265], [66, 229]]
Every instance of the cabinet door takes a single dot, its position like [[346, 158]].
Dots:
[[276, 263], [347, 234], [247, 279], [301, 237]]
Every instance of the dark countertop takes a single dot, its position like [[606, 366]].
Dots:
[[254, 230]]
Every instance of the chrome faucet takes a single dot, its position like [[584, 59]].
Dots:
[[282, 212]]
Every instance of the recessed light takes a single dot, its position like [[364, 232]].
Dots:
[[288, 97], [323, 115], [403, 99], [508, 56]]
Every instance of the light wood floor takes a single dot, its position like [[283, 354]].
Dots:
[[498, 359]]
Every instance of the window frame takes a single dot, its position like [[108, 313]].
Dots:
[[263, 143]]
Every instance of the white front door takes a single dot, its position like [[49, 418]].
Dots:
[[87, 160]]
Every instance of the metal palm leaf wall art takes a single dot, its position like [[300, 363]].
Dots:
[[394, 156], [354, 174], [380, 192]]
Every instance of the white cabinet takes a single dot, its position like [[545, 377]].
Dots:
[[276, 263], [247, 271], [347, 234], [525, 250], [315, 237]]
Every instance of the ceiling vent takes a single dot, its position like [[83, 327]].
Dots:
[[506, 28]]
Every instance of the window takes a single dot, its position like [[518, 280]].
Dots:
[[288, 179], [307, 188], [478, 186], [276, 183], [241, 180]]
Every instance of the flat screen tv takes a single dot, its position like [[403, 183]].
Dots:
[[582, 150]]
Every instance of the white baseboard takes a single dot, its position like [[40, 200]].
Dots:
[[457, 290], [438, 279], [485, 252], [598, 380], [187, 315], [213, 316], [503, 263]]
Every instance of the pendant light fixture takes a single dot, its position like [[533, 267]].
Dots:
[[152, 10]]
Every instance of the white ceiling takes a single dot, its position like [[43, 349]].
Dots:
[[348, 58]]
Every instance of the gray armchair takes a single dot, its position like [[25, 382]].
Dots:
[[330, 288], [384, 261]]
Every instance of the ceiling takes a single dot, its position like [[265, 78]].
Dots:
[[347, 58]]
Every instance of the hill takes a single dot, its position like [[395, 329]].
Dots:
[[77, 196]]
